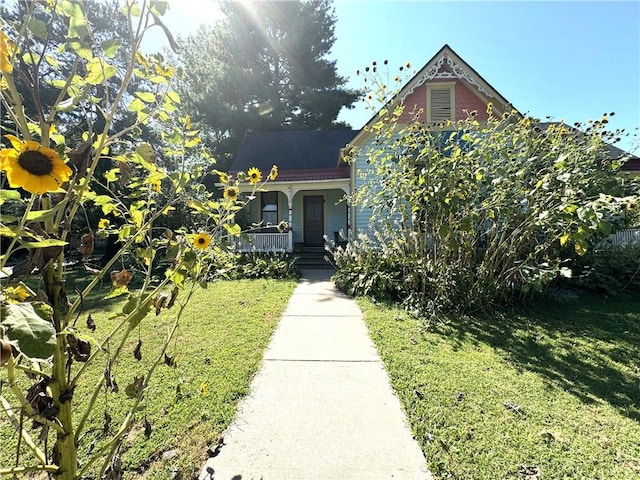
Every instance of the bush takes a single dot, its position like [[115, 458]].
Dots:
[[473, 215], [610, 270], [277, 266]]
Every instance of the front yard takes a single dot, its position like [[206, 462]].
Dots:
[[219, 347], [550, 394]]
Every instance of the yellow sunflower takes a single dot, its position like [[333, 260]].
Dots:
[[274, 173], [16, 294], [231, 193], [33, 167], [255, 175], [103, 223], [7, 49], [201, 240]]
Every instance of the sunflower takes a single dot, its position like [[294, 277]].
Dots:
[[201, 240], [7, 49], [231, 193], [16, 294], [255, 175], [103, 223], [33, 167], [274, 173], [283, 226]]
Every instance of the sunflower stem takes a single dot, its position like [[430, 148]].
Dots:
[[18, 233]]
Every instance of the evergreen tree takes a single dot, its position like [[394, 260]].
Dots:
[[264, 67]]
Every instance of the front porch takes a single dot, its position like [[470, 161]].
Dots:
[[296, 217]]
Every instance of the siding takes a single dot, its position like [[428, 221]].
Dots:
[[465, 99], [365, 174]]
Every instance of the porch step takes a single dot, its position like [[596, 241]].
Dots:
[[313, 260]]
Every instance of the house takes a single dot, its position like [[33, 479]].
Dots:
[[308, 193], [314, 180]]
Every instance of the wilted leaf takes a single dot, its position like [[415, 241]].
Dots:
[[137, 352], [147, 429], [114, 471], [41, 402], [29, 325], [160, 302], [81, 349], [174, 295], [5, 352], [109, 380], [86, 245], [106, 423], [121, 278], [169, 360], [91, 324]]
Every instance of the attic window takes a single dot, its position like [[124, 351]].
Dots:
[[440, 102]]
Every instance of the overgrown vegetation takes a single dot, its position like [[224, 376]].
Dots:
[[552, 393], [608, 270], [76, 100], [473, 215], [187, 406], [258, 265]]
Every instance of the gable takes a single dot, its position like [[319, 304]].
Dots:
[[433, 100], [446, 70]]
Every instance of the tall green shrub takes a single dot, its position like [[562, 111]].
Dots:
[[475, 215]]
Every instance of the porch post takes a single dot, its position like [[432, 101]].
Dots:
[[290, 221]]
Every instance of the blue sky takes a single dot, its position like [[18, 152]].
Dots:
[[569, 60]]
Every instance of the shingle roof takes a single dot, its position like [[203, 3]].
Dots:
[[614, 153], [296, 151]]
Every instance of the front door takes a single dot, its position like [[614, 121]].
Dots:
[[313, 220]]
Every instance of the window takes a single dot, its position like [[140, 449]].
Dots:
[[440, 102], [269, 201]]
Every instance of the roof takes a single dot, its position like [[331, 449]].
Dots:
[[299, 154], [632, 162]]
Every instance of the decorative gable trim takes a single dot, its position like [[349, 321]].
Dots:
[[445, 64], [456, 71]]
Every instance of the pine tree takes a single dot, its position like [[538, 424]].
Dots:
[[266, 66]]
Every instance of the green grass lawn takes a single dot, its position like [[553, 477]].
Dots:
[[218, 348], [553, 393]]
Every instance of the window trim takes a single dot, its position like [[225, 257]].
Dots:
[[263, 204]]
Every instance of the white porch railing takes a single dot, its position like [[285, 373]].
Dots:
[[264, 242], [625, 237]]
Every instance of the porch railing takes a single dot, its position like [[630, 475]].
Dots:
[[625, 237], [264, 242]]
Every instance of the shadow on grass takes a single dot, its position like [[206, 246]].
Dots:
[[589, 347]]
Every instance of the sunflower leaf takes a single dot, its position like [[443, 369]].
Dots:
[[42, 215], [29, 324], [49, 242], [9, 195]]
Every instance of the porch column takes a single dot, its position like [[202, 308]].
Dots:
[[347, 191], [290, 221]]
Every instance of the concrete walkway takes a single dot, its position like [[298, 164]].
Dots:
[[321, 407]]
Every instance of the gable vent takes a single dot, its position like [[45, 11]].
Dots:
[[440, 104]]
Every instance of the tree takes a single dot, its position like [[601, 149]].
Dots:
[[264, 67]]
